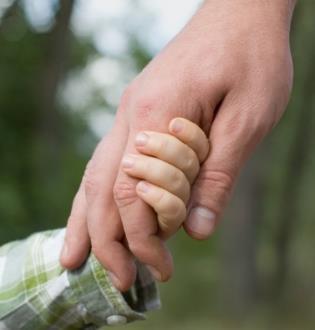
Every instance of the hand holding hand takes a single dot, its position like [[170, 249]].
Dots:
[[230, 72], [167, 169]]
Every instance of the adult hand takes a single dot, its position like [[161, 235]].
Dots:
[[229, 71]]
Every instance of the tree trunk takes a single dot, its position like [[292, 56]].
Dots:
[[56, 48], [239, 241], [54, 64]]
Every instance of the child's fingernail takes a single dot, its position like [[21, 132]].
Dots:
[[143, 186], [128, 162], [177, 125], [141, 139], [201, 221], [114, 280], [156, 274]]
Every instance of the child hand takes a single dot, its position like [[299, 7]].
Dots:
[[167, 167]]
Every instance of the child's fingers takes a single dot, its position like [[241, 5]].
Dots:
[[158, 173], [170, 209], [192, 135], [171, 150]]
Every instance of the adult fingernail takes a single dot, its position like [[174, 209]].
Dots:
[[143, 186], [114, 279], [201, 221], [177, 125], [128, 162], [141, 139], [156, 274]]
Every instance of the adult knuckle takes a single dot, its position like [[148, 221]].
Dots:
[[91, 180], [124, 193], [138, 104], [136, 245], [262, 120], [215, 188], [282, 72], [278, 92], [92, 187], [126, 97], [97, 248], [217, 178], [260, 125], [144, 106]]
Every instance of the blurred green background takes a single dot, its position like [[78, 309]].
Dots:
[[63, 67]]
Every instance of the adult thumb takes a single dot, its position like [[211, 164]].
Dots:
[[212, 188]]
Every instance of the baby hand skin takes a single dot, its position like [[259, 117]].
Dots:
[[167, 166]]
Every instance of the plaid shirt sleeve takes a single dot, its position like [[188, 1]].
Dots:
[[37, 293]]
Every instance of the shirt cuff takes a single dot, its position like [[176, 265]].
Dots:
[[100, 303], [37, 293]]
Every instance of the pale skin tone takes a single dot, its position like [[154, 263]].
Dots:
[[168, 166], [230, 72]]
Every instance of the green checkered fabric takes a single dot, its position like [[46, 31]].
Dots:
[[37, 293]]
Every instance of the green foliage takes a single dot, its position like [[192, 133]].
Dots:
[[43, 155], [35, 193]]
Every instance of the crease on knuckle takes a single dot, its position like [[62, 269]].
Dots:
[[164, 223], [97, 248], [144, 106], [216, 188], [136, 244], [161, 146], [169, 226], [124, 194], [180, 212], [217, 178], [178, 179], [181, 189], [146, 166], [175, 210], [91, 180], [191, 162], [159, 200]]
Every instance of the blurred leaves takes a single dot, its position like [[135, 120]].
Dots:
[[40, 163], [258, 271]]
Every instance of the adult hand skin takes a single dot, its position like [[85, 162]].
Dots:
[[230, 71]]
